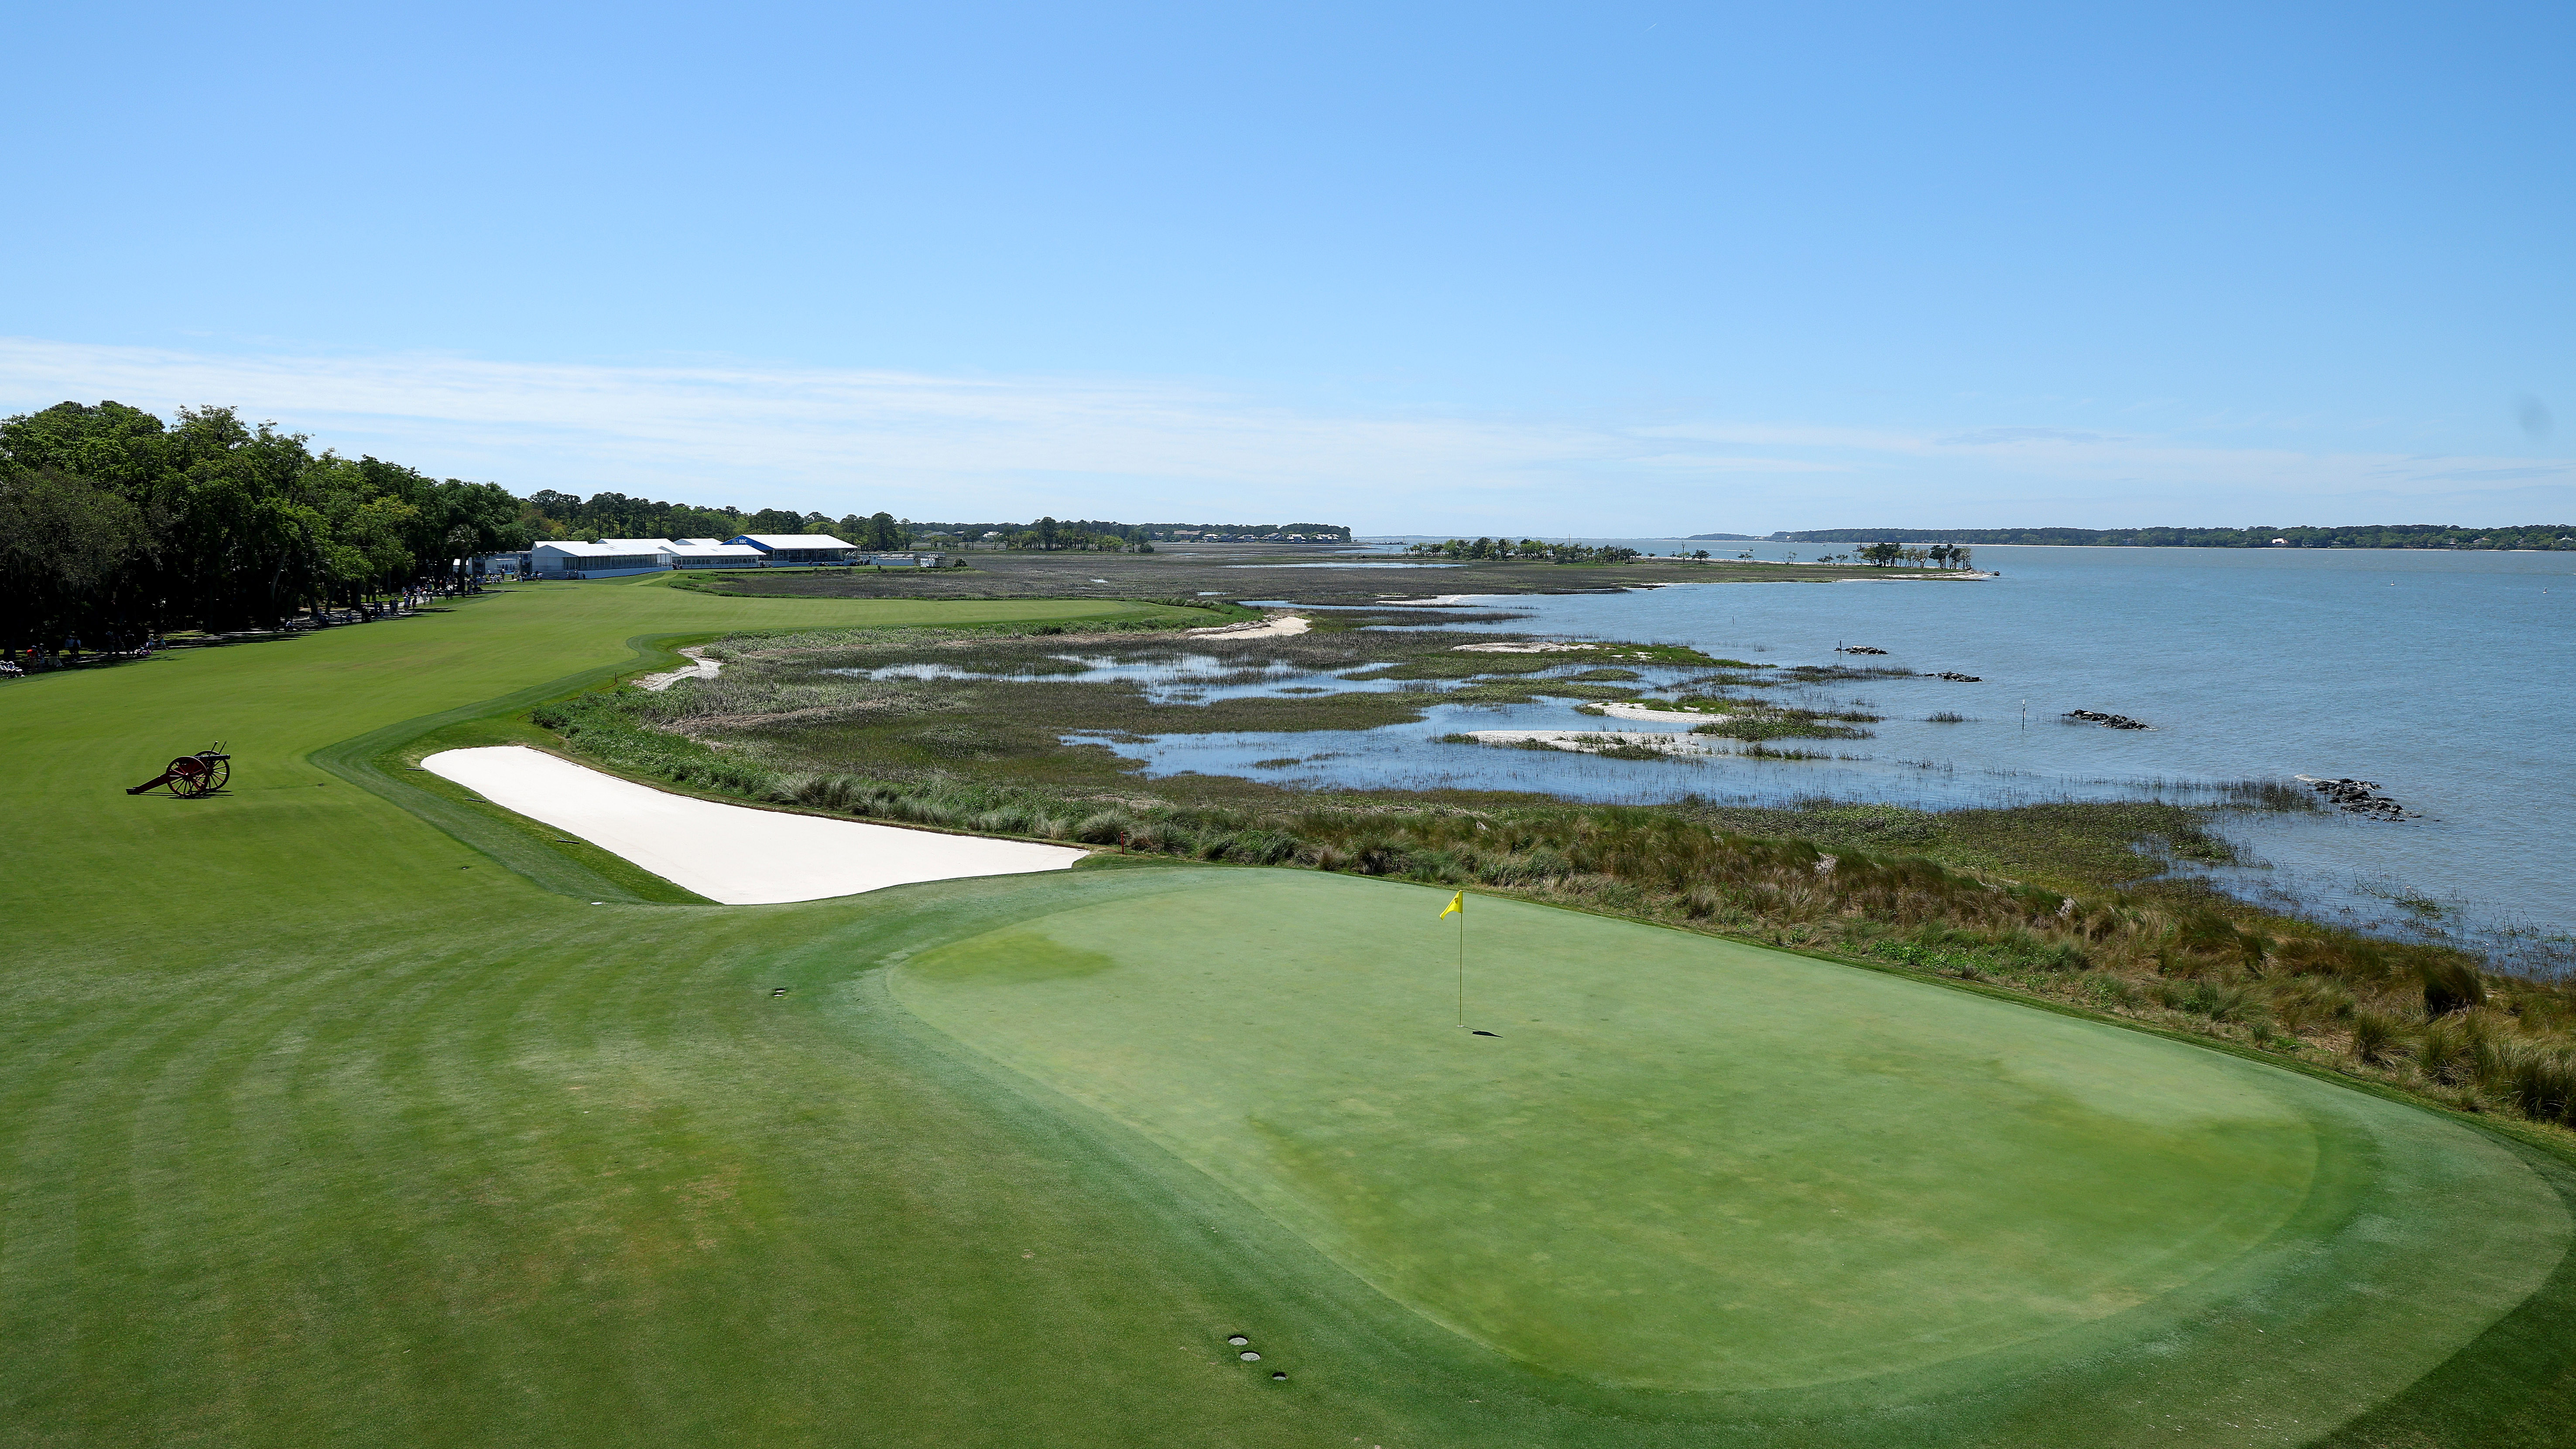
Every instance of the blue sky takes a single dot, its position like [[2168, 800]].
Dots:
[[1607, 269]]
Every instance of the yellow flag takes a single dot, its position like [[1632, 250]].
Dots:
[[1457, 906]]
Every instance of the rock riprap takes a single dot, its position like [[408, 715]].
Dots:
[[2106, 721], [2359, 797]]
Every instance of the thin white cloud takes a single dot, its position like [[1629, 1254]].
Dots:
[[942, 446], [1719, 463], [2005, 437]]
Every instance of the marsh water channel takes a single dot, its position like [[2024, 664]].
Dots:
[[1539, 686], [1180, 678], [1436, 751]]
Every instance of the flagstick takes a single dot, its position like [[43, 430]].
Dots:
[[1462, 968]]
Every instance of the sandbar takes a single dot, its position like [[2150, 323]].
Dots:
[[1593, 742], [702, 668], [1257, 629], [1683, 718]]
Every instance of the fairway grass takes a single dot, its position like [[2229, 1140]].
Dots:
[[333, 1111]]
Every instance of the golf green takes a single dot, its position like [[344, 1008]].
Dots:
[[343, 1109], [1685, 1164]]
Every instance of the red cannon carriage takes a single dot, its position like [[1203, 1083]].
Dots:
[[190, 776]]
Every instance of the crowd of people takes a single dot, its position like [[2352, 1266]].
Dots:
[[111, 644]]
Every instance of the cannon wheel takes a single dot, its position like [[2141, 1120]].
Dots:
[[187, 777], [218, 770]]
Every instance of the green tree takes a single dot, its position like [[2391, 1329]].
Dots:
[[67, 547]]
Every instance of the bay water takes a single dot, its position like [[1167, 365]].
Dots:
[[2445, 678]]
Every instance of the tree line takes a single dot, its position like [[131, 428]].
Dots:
[[2373, 535], [1047, 534], [1940, 556], [1052, 533], [553, 515], [1527, 549], [115, 524]]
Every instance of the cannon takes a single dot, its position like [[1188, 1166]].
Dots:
[[190, 776]]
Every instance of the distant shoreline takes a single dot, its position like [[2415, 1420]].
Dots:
[[2419, 537]]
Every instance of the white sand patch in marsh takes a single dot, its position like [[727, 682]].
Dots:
[[1593, 742], [1678, 718], [1534, 646], [1275, 628], [702, 668], [730, 853]]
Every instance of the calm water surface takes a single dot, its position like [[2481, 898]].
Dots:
[[2446, 678]]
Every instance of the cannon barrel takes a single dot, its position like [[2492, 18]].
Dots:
[[189, 776]]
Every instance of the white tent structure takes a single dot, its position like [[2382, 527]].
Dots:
[[799, 548], [708, 553], [606, 559]]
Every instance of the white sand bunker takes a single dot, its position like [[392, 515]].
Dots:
[[1594, 742], [730, 853], [1256, 629], [703, 668]]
